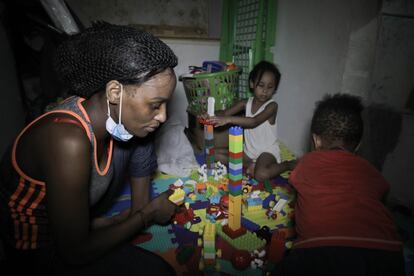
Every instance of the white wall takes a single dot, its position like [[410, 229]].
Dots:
[[393, 80], [321, 47], [189, 52], [355, 47]]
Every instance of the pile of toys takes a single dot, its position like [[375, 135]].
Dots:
[[267, 217], [254, 220]]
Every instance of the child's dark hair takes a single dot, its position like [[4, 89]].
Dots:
[[264, 66], [338, 117], [85, 62]]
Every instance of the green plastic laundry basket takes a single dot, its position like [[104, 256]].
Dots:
[[223, 86]]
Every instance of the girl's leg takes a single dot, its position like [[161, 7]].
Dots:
[[267, 167], [222, 155], [248, 165]]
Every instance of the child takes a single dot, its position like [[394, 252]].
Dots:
[[343, 227], [261, 148]]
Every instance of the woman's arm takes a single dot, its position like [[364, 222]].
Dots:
[[67, 168], [140, 197], [140, 192]]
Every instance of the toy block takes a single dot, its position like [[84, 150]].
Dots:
[[235, 130], [235, 182], [254, 208], [235, 193], [235, 172], [254, 202], [236, 147], [236, 139], [279, 205], [201, 187], [235, 190], [235, 177], [209, 143], [177, 197], [249, 225], [233, 166], [209, 128], [233, 234], [235, 199], [277, 247], [235, 155], [235, 209], [209, 136], [210, 106], [235, 160], [234, 223]]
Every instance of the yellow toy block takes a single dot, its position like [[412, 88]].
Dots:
[[254, 208], [178, 196], [236, 138]]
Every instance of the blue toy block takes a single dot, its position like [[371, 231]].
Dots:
[[254, 201], [235, 166], [267, 200], [235, 172], [249, 225], [234, 189], [235, 130]]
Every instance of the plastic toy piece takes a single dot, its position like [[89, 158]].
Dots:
[[234, 229], [240, 259], [277, 247], [210, 106], [178, 196], [208, 252]]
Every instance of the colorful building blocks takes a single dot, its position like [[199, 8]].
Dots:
[[234, 229], [209, 253]]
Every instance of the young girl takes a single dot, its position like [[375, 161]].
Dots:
[[261, 148]]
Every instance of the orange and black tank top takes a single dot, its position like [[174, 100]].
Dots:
[[23, 214]]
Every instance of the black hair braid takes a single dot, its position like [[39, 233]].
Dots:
[[338, 117], [85, 62]]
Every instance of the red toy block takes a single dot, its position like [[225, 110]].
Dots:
[[276, 250]]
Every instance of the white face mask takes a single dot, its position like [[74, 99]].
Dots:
[[117, 131]]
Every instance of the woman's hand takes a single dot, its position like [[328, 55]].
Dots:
[[101, 222], [160, 209]]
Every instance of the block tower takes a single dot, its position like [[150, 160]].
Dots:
[[234, 229], [209, 252], [209, 150], [209, 141]]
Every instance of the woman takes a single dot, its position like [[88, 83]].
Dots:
[[61, 164]]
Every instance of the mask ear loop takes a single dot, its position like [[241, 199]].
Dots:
[[120, 105], [109, 111]]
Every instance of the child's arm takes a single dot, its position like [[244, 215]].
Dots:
[[236, 108], [269, 113]]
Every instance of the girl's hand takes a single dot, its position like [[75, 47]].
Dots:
[[160, 209], [219, 121], [203, 116]]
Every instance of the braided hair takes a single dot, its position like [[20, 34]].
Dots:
[[85, 62], [338, 117]]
